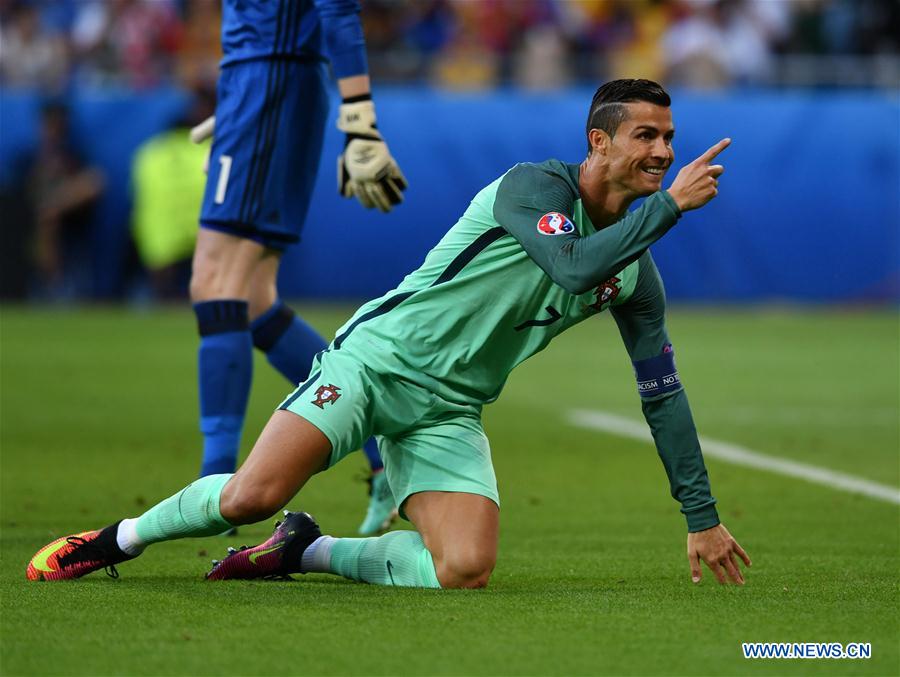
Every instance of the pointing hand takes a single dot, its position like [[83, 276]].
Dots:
[[698, 182]]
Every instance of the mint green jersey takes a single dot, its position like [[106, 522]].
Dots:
[[521, 265], [481, 303]]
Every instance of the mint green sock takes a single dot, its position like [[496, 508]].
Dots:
[[193, 511], [397, 558]]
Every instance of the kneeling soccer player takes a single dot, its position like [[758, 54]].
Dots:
[[538, 250]]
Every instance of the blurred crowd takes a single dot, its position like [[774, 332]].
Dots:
[[53, 192], [473, 44], [56, 44]]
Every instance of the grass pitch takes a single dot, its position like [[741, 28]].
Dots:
[[98, 421]]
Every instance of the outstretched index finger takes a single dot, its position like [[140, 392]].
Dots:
[[710, 154]]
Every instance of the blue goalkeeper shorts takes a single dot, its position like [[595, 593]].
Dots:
[[270, 122]]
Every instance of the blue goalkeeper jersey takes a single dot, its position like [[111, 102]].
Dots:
[[303, 29]]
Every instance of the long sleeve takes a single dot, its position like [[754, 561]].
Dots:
[[342, 31], [527, 196], [641, 322]]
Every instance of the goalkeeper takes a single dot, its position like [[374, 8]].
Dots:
[[541, 248], [267, 142]]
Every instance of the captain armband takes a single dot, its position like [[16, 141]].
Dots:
[[657, 375]]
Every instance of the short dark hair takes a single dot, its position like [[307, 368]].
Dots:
[[607, 111]]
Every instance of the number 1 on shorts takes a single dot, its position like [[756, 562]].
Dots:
[[224, 171]]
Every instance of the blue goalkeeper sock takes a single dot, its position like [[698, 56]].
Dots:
[[370, 448], [225, 369], [289, 343]]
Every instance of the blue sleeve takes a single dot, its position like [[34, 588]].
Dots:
[[345, 44]]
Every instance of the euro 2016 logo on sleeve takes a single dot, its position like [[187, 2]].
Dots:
[[554, 223], [325, 394]]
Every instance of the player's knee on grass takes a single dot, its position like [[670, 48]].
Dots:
[[465, 569]]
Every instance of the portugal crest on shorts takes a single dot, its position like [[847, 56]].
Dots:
[[554, 223], [325, 394], [605, 293]]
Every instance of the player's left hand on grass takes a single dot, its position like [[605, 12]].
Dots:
[[366, 168], [717, 548]]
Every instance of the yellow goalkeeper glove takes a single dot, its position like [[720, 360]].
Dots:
[[366, 169]]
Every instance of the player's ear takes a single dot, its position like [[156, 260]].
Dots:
[[599, 141]]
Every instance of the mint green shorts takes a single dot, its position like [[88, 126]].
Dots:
[[426, 442]]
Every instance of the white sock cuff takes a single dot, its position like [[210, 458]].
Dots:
[[127, 538], [317, 556]]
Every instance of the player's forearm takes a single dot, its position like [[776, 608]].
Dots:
[[354, 86], [345, 44], [580, 264], [670, 420]]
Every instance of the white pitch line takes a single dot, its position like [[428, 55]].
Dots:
[[732, 453]]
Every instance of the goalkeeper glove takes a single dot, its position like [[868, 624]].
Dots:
[[365, 168], [204, 130], [201, 133]]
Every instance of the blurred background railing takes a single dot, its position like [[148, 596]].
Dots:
[[99, 189]]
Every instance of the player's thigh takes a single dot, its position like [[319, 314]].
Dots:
[[337, 399], [288, 452], [446, 451], [460, 531], [443, 479]]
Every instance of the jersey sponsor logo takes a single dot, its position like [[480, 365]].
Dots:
[[605, 293], [325, 394], [554, 223]]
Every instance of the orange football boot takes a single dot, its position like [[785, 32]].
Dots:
[[76, 555]]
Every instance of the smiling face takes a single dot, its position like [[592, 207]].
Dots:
[[640, 152]]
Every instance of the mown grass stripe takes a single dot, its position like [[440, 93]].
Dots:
[[737, 455]]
